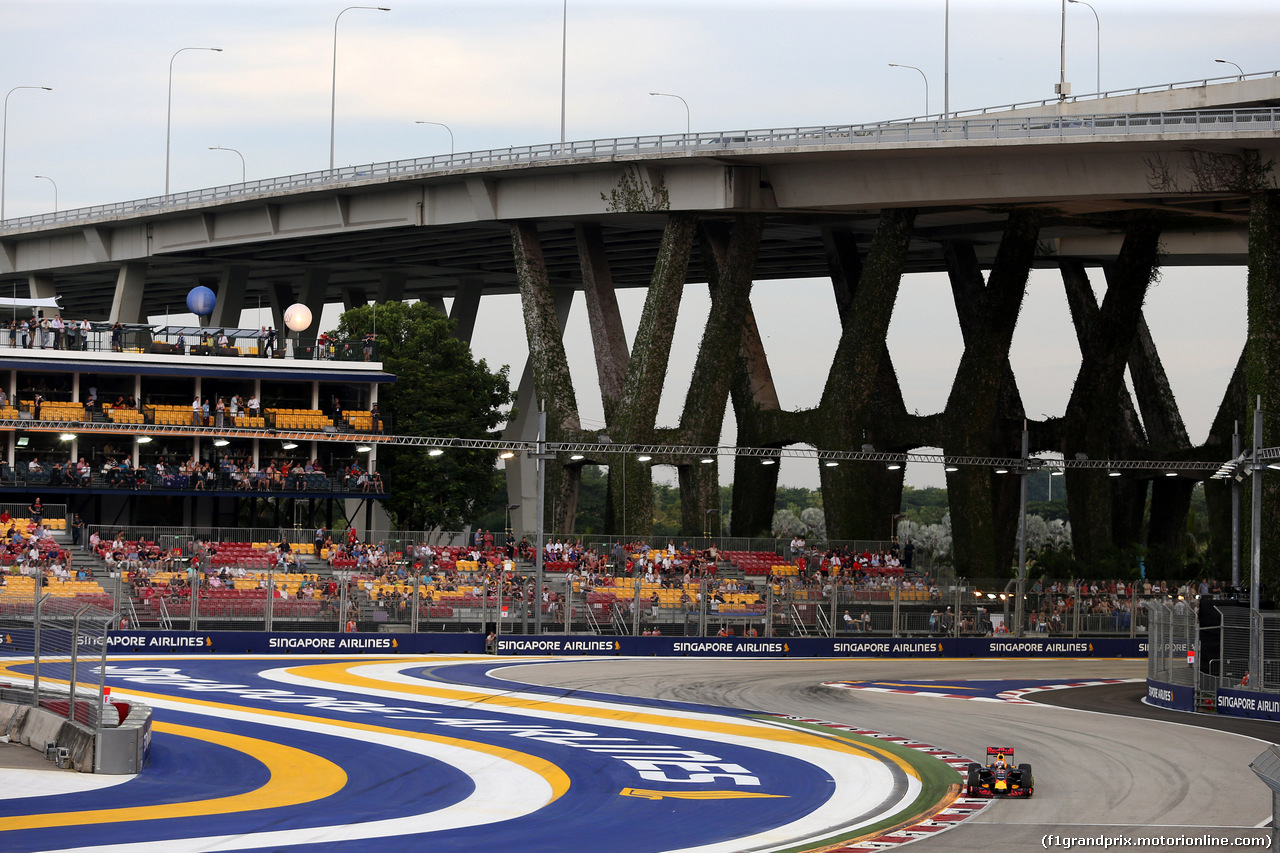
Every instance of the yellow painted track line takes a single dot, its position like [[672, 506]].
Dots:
[[340, 674], [297, 777]]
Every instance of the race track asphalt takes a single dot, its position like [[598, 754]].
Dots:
[[1105, 765]]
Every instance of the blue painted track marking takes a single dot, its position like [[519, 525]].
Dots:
[[474, 762]]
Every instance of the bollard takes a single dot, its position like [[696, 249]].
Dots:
[[64, 757], [50, 750]]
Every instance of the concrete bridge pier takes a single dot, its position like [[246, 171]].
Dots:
[[984, 400]]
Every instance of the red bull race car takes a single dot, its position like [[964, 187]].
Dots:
[[1000, 777]]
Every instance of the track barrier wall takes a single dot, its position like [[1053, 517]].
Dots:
[[261, 642], [1244, 703], [1178, 697]]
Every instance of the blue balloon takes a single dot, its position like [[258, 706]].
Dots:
[[200, 301]]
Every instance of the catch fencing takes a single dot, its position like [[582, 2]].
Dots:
[[1173, 632], [66, 640]]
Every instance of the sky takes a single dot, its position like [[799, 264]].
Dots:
[[491, 72]]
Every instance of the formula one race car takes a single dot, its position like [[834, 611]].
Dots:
[[1000, 777]]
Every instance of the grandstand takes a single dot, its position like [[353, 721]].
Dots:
[[109, 432]]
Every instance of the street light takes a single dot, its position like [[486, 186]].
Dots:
[[1229, 62], [4, 139], [168, 122], [926, 81], [333, 97], [237, 153], [1097, 31], [446, 127], [688, 121], [55, 190]]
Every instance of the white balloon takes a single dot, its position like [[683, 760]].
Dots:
[[297, 317]]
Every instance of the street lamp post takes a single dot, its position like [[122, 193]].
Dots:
[[1019, 605], [564, 66], [4, 139], [926, 82], [168, 122], [446, 127], [1229, 62], [1097, 48], [688, 119], [333, 96], [237, 153], [55, 190], [1062, 57]]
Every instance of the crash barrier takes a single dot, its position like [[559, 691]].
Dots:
[[1248, 703], [293, 642], [44, 730], [121, 746], [1267, 768], [1179, 697]]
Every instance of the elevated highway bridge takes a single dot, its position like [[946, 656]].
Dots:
[[1173, 175]]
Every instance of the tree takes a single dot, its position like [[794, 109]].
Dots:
[[440, 390]]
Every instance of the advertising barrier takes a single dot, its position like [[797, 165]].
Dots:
[[803, 647], [1179, 697], [1245, 703], [292, 642]]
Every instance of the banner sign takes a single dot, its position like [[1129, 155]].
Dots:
[[779, 647], [260, 643], [1245, 703], [1179, 697], [295, 642]]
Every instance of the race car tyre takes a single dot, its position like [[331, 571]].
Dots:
[[975, 779], [1028, 781]]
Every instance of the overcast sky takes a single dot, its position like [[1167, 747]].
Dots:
[[491, 72]]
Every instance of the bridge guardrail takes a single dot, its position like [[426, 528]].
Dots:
[[970, 127]]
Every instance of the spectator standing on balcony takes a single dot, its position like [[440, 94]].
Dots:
[[368, 345], [221, 412], [25, 328], [35, 407], [204, 411], [195, 413], [254, 407], [36, 511], [376, 418], [269, 342], [13, 333], [117, 336], [85, 329], [58, 329]]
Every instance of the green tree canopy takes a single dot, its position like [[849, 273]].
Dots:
[[440, 390]]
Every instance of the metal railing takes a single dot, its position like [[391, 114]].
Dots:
[[980, 126], [148, 340]]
